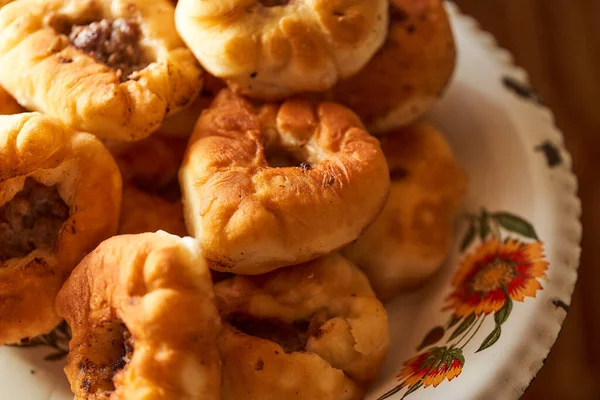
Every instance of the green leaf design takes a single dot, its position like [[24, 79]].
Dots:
[[502, 315], [433, 356], [468, 238], [515, 224], [389, 394], [491, 339], [453, 321], [458, 354], [484, 225], [463, 326], [413, 389], [432, 337]]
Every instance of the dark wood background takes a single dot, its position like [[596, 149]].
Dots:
[[558, 43]]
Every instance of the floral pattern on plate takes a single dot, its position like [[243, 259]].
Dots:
[[506, 266]]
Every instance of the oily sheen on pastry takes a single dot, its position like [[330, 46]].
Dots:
[[310, 332], [270, 49], [114, 68], [144, 321], [278, 185], [411, 238], [409, 73], [60, 193], [151, 194]]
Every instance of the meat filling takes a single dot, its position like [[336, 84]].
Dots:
[[31, 220], [116, 44], [292, 337], [127, 350], [110, 352]]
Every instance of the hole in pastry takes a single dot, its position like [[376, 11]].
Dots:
[[31, 220], [126, 347], [279, 157], [169, 191], [292, 337], [275, 3], [110, 349], [114, 43]]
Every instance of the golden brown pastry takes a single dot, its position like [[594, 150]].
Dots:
[[8, 105], [410, 71], [270, 49], [182, 124], [146, 212], [113, 68], [5, 2], [278, 185], [411, 238], [144, 321], [151, 195], [60, 193], [313, 332]]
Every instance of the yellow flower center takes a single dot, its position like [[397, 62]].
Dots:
[[493, 276]]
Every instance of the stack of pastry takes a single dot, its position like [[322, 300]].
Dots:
[[278, 143]]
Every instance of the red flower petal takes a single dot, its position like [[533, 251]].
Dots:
[[491, 302], [522, 287]]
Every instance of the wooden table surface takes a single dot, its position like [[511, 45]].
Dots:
[[558, 43]]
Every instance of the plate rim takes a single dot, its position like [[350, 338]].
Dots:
[[514, 379]]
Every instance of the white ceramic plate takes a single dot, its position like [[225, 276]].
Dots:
[[487, 342]]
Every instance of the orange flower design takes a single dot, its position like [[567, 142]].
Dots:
[[495, 272], [432, 367], [489, 281]]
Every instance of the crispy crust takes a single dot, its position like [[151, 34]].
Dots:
[[410, 71], [36, 146], [143, 212], [273, 52], [158, 286], [411, 238], [8, 105], [344, 351], [182, 124], [152, 161], [44, 72], [251, 218]]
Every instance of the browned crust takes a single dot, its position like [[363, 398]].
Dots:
[[271, 53], [412, 236], [143, 212], [151, 162], [155, 159], [89, 182], [342, 355], [409, 72], [182, 124], [251, 218], [44, 72], [159, 287]]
